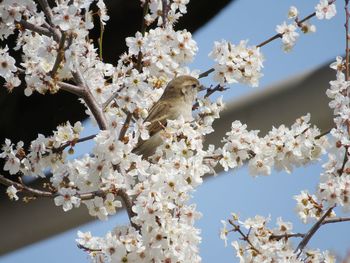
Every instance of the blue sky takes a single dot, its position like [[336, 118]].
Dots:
[[236, 191]]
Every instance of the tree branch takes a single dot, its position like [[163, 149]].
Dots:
[[85, 196], [31, 27], [311, 232], [237, 228], [128, 205], [89, 99], [71, 88], [286, 236], [23, 187], [210, 91], [48, 13], [60, 56], [274, 37]]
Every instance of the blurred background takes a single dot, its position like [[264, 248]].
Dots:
[[293, 84]]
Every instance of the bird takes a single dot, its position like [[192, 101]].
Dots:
[[177, 100]]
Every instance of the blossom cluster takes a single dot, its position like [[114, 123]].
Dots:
[[165, 11], [309, 208], [282, 148], [55, 48], [8, 69], [264, 244], [288, 32], [164, 50], [237, 63], [43, 152], [161, 194], [335, 183]]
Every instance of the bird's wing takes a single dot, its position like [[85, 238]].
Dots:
[[158, 116]]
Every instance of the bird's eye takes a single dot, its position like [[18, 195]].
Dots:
[[194, 85]]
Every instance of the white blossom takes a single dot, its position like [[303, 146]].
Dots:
[[289, 35], [11, 191], [67, 199], [237, 63], [324, 10]]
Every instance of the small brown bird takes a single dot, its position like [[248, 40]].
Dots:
[[177, 99]]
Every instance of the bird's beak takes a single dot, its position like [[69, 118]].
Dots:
[[201, 88]]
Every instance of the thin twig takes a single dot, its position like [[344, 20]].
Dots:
[[286, 236], [206, 73], [19, 186], [270, 40], [311, 232], [114, 95], [210, 91], [85, 196], [125, 126], [345, 160], [274, 37], [323, 134], [100, 40], [143, 31], [72, 143], [245, 237]]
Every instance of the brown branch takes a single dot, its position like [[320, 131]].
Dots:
[[85, 196], [60, 55], [323, 134], [72, 143], [87, 249], [114, 95], [165, 11], [143, 31], [336, 220], [71, 88], [206, 73], [48, 13], [345, 160], [95, 109], [23, 187], [125, 126], [270, 40], [90, 100], [311, 232], [128, 206], [237, 228], [286, 236], [31, 27]]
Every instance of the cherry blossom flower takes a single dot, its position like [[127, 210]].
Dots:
[[289, 35], [11, 191], [324, 10], [292, 12]]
